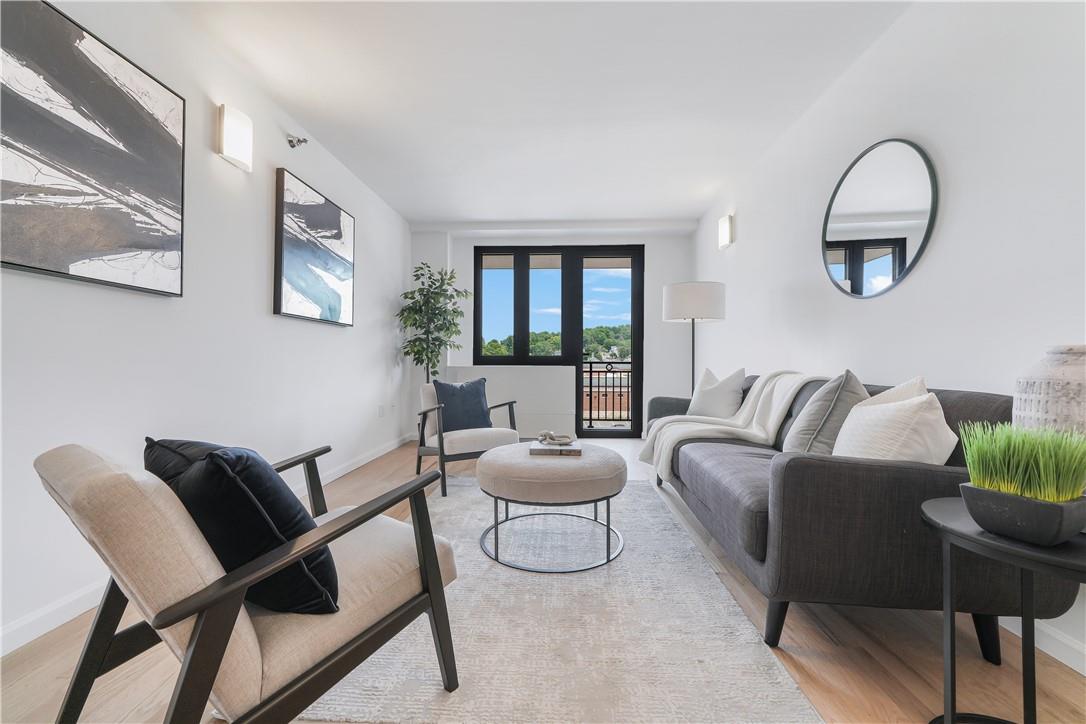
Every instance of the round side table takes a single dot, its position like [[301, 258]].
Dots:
[[956, 528]]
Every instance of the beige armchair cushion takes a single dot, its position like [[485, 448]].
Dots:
[[378, 568], [476, 440], [155, 552], [428, 397]]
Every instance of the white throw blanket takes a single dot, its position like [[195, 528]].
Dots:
[[757, 420]]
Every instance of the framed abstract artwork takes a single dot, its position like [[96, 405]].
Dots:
[[93, 155], [314, 254]]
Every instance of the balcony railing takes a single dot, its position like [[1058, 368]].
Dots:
[[606, 397]]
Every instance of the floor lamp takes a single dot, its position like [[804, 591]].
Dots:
[[692, 301]]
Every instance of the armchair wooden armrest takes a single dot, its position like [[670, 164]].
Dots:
[[512, 415], [317, 504], [240, 579]]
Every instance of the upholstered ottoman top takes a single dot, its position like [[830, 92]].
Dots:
[[510, 473]]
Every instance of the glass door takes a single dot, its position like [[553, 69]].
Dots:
[[609, 377]]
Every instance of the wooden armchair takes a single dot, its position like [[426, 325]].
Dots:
[[457, 444], [255, 665]]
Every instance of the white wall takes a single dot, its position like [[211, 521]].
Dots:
[[994, 93], [667, 344], [105, 367]]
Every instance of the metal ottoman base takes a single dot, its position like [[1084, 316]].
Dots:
[[611, 553]]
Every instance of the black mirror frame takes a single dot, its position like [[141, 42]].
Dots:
[[927, 232]]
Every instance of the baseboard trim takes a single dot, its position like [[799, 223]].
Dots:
[[25, 629], [1052, 641]]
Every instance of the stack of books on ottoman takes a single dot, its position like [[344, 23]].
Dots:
[[550, 443]]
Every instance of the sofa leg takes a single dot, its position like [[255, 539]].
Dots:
[[659, 481], [988, 637], [444, 488], [774, 621]]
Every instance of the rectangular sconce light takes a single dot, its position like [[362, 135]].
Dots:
[[236, 137], [726, 231]]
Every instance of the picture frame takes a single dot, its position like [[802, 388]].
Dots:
[[108, 138], [314, 254]]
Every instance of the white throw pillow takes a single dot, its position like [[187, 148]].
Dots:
[[718, 398], [903, 423]]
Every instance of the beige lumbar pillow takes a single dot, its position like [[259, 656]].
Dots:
[[817, 425], [718, 398], [903, 423]]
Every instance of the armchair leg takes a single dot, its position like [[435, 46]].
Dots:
[[444, 488], [988, 637], [418, 464], [659, 481], [774, 622], [432, 585], [94, 653], [203, 656]]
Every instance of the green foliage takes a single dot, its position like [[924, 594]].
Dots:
[[601, 343], [545, 344], [1036, 463], [494, 348], [430, 317], [608, 343]]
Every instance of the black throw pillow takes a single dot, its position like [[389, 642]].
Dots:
[[465, 405], [245, 509]]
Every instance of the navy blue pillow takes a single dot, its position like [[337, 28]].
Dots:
[[465, 405], [245, 509]]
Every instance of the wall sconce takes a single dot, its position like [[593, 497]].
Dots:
[[236, 137], [726, 231]]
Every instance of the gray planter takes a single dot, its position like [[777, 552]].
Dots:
[[1025, 519]]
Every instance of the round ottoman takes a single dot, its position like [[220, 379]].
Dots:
[[509, 474]]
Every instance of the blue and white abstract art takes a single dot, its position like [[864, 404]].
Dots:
[[314, 254]]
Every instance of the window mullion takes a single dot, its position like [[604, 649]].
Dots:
[[521, 311]]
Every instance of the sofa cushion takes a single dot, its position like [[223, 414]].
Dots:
[[732, 481], [480, 439], [815, 428]]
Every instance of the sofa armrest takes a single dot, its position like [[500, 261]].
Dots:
[[664, 406], [849, 529]]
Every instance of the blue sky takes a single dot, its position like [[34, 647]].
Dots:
[[606, 300]]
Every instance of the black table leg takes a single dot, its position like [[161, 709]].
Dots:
[[949, 692], [1029, 671], [950, 715], [495, 529]]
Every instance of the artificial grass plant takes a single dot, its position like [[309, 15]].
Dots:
[[1043, 464]]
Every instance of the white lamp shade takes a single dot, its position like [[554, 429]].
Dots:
[[236, 137], [693, 300]]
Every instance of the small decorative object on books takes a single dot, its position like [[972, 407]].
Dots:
[[314, 254], [1025, 484], [550, 443], [1052, 392]]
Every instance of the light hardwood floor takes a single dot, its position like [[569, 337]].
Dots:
[[855, 664]]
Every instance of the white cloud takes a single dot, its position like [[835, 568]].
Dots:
[[548, 310], [620, 273], [625, 317], [609, 290], [877, 283]]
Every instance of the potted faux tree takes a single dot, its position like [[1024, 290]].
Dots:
[[430, 316], [1026, 484]]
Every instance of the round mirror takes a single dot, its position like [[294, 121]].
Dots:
[[879, 218]]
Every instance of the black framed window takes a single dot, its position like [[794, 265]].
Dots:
[[865, 266]]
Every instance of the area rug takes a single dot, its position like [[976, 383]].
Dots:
[[652, 637]]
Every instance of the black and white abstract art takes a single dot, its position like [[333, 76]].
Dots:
[[93, 157], [314, 254]]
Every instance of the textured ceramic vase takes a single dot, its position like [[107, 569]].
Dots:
[[1052, 392]]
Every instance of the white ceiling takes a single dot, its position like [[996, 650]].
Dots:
[[482, 112]]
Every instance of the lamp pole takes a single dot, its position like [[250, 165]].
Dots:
[[692, 348]]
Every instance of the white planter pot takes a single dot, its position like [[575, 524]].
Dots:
[[1052, 392]]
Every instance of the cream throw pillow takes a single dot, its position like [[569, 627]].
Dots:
[[904, 423], [718, 398]]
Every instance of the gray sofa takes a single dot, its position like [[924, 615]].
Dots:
[[821, 529]]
